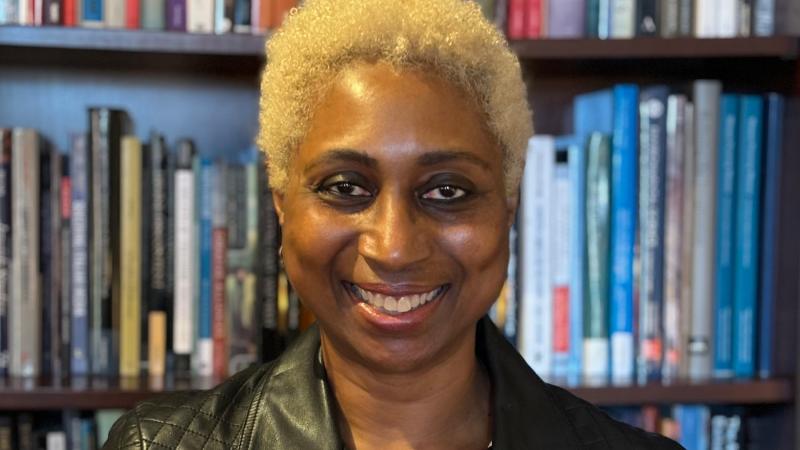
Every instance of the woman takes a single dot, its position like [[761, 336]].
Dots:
[[395, 132]]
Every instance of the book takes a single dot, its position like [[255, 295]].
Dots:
[[624, 157], [133, 16], [114, 13], [669, 18], [242, 20], [764, 17], [647, 18], [200, 16], [219, 255], [92, 13], [577, 246], [152, 14], [652, 170], [517, 10], [687, 238], [268, 269], [592, 19], [224, 16], [185, 278], [560, 258], [623, 19], [202, 358], [48, 258], [71, 13], [157, 343], [706, 97], [685, 17], [706, 16], [745, 18], [535, 317], [5, 245], [725, 235], [53, 12], [748, 212], [25, 292], [130, 262], [596, 368], [727, 19], [65, 242], [175, 15], [80, 225], [535, 16], [566, 18]]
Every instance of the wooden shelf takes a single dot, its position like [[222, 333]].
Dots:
[[21, 394]]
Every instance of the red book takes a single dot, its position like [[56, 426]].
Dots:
[[69, 13], [219, 251], [533, 19], [132, 15], [516, 18]]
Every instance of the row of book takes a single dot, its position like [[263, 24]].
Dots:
[[118, 258], [193, 16], [649, 240], [625, 19], [62, 431]]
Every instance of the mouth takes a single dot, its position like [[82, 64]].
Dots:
[[395, 304]]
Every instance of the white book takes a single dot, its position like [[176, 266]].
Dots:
[[536, 324], [23, 13], [706, 95], [56, 440], [623, 19], [560, 257], [706, 14], [185, 269], [25, 306], [114, 11], [728, 18], [200, 16]]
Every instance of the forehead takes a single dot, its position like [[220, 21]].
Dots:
[[390, 113]]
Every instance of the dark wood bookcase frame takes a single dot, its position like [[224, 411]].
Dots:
[[206, 87]]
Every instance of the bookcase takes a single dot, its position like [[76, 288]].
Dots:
[[206, 87]]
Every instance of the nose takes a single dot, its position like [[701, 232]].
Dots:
[[396, 236]]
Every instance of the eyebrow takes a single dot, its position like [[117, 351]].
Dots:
[[442, 156], [431, 158]]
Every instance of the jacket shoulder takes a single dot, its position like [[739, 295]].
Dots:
[[194, 419], [597, 430]]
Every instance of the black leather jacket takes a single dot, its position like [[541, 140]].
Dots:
[[287, 404]]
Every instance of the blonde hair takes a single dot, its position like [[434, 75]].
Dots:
[[450, 38]]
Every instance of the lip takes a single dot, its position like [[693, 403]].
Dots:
[[407, 322]]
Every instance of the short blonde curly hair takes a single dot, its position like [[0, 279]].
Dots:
[[450, 38]]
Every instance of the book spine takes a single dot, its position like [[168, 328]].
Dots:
[[706, 95], [46, 261], [25, 298], [774, 111], [157, 343], [176, 15], [130, 266], [727, 18], [268, 268], [686, 17], [764, 18], [652, 162], [567, 19], [132, 14], [745, 18], [242, 22], [669, 21], [5, 246], [114, 11], [80, 172], [647, 18], [204, 350], [673, 237], [152, 14], [92, 13], [265, 15], [598, 221], [623, 231], [577, 168], [725, 229], [53, 12], [748, 208], [687, 237], [65, 241], [604, 19], [70, 17], [534, 20], [223, 16], [706, 18], [560, 225], [184, 311], [156, 247], [623, 19], [536, 325], [200, 16], [219, 254], [516, 19], [592, 19]]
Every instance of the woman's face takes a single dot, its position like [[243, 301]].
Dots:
[[395, 218]]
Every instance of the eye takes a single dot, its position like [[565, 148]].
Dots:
[[346, 189], [445, 193]]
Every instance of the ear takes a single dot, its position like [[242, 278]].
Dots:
[[277, 201], [512, 204]]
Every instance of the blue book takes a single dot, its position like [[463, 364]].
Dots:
[[577, 262], [593, 112], [80, 168], [693, 423], [624, 162], [772, 181], [92, 12], [725, 229], [748, 213], [205, 274]]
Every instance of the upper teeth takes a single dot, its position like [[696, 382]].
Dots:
[[392, 304]]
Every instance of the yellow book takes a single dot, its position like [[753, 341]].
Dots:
[[131, 260]]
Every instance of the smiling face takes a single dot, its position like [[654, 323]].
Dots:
[[395, 218]]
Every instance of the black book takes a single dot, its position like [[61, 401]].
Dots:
[[241, 16], [65, 242], [268, 270], [48, 264], [647, 17], [6, 432], [53, 12]]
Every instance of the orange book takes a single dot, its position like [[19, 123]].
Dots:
[[280, 9]]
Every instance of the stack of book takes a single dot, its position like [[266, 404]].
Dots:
[[649, 239], [193, 16], [120, 258], [59, 431]]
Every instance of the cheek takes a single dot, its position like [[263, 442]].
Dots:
[[482, 251]]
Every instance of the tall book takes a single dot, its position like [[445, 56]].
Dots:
[[687, 237], [106, 128], [567, 19], [727, 18], [652, 170], [159, 296], [516, 19], [268, 268], [219, 254], [81, 227], [25, 291], [535, 16], [725, 235], [596, 368], [49, 184], [706, 96], [185, 278], [706, 17], [577, 246], [673, 235], [130, 267], [779, 262], [647, 18], [92, 14], [65, 239], [624, 159], [623, 19], [560, 241], [132, 14], [745, 18], [114, 13], [5, 245], [764, 17], [748, 221], [685, 17], [200, 16], [669, 18], [536, 325], [202, 359], [242, 19], [175, 15], [152, 14]]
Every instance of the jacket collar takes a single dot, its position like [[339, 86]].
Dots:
[[297, 408]]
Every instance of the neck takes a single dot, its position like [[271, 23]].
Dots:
[[442, 405]]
